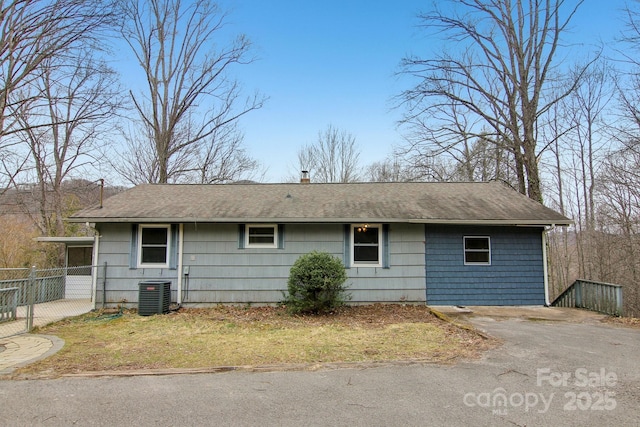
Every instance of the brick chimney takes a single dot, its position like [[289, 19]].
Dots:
[[305, 178]]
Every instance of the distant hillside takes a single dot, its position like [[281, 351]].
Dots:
[[24, 199]]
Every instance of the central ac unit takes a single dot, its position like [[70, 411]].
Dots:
[[154, 297]]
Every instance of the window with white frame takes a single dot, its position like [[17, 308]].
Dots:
[[367, 247], [154, 246], [477, 250], [261, 236]]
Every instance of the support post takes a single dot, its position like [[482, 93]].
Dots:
[[578, 294], [619, 300], [104, 285], [94, 269]]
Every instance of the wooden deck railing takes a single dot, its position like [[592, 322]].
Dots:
[[45, 289], [596, 296]]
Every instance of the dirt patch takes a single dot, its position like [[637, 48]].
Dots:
[[371, 316], [631, 322]]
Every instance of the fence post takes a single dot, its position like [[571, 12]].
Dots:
[[31, 297]]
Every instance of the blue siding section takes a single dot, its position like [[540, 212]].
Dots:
[[515, 276]]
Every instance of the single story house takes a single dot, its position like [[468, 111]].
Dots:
[[415, 242]]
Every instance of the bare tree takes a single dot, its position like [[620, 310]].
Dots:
[[619, 193], [17, 246], [392, 169], [333, 158], [628, 126], [224, 159], [71, 110], [189, 98], [498, 76], [32, 32]]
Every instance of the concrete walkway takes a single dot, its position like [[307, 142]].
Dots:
[[559, 314], [45, 313], [21, 350], [18, 349]]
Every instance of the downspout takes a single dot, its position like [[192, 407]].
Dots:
[[94, 268], [180, 253], [545, 266]]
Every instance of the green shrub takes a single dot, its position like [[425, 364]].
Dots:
[[316, 284]]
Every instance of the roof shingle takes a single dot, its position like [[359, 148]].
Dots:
[[424, 202]]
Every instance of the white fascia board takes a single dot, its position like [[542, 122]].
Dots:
[[66, 240], [501, 222]]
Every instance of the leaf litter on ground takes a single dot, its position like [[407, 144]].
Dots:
[[191, 338]]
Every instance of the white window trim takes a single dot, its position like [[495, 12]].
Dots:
[[355, 263], [465, 250], [153, 264], [273, 245]]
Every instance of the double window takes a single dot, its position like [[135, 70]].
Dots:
[[367, 245], [154, 243], [477, 250]]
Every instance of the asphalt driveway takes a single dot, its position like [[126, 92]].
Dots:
[[546, 373]]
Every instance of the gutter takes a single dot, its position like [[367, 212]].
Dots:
[[166, 220], [94, 276], [180, 263], [545, 266]]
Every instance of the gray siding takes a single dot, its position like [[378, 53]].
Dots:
[[515, 276], [121, 281], [221, 272]]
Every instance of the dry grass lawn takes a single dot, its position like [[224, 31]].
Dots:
[[236, 336]]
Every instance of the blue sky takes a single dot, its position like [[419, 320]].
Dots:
[[321, 63], [324, 62]]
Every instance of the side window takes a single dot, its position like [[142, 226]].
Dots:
[[154, 246], [261, 236], [79, 256], [477, 250], [367, 247]]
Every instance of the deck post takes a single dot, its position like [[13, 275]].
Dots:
[[619, 300], [578, 294]]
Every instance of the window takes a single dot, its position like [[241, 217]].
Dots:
[[366, 245], [261, 236], [154, 246], [477, 250], [79, 256]]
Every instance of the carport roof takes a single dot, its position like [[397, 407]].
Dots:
[[419, 202], [69, 241]]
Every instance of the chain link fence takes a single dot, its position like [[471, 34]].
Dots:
[[30, 297]]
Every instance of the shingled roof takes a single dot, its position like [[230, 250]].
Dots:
[[419, 202]]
